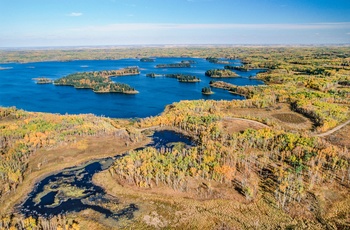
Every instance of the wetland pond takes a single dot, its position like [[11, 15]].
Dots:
[[72, 190]]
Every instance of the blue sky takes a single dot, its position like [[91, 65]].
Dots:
[[30, 23]]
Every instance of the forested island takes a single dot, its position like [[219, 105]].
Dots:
[[188, 61], [147, 60], [188, 79], [175, 65], [183, 77], [99, 81], [279, 159], [207, 91], [220, 73], [154, 75], [180, 77]]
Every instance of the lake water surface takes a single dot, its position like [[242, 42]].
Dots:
[[17, 87]]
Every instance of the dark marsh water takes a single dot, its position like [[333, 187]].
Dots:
[[72, 190]]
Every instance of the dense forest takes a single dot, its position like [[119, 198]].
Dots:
[[258, 163]]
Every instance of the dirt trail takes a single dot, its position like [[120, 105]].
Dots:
[[247, 120], [329, 132]]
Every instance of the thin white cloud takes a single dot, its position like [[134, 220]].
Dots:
[[160, 26], [75, 14]]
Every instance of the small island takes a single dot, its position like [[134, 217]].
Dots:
[[220, 73], [99, 81], [174, 65], [154, 75], [188, 61], [184, 78], [147, 60], [42, 80], [188, 79], [207, 91], [180, 77]]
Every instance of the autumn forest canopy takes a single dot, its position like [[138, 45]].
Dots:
[[277, 159]]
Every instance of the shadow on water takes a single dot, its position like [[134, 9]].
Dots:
[[72, 190]]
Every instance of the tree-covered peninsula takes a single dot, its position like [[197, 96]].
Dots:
[[99, 81], [218, 73]]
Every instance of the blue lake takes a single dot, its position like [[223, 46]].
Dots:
[[17, 87]]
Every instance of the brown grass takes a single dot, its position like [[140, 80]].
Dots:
[[231, 126], [272, 116], [289, 118], [165, 208], [340, 137]]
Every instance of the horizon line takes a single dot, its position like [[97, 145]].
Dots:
[[176, 45]]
